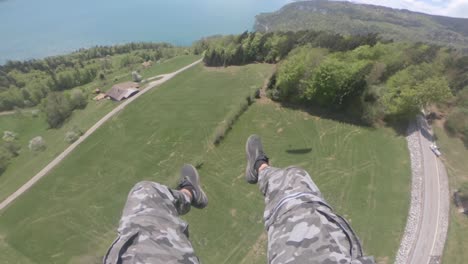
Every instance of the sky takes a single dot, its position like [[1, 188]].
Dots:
[[453, 8]]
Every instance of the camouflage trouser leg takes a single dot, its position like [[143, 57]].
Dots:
[[150, 229], [301, 226]]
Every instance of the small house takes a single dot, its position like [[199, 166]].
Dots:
[[123, 91]]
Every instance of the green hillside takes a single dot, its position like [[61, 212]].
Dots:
[[23, 167], [71, 215], [348, 18]]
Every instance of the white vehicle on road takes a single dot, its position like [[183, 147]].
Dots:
[[436, 150]]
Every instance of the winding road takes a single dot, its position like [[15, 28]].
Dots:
[[426, 230], [67, 151]]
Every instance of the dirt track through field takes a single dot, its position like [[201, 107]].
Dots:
[[67, 151]]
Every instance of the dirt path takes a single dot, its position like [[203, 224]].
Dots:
[[4, 113], [67, 151]]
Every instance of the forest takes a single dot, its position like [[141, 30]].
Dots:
[[365, 78], [28, 83]]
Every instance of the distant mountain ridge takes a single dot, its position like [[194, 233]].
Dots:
[[350, 18]]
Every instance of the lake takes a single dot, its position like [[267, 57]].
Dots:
[[35, 29]]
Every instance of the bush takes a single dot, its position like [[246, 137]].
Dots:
[[73, 135], [57, 109], [457, 121], [77, 99], [9, 136], [5, 157], [35, 113], [8, 150], [37, 144], [12, 147], [136, 77]]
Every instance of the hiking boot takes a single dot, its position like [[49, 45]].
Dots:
[[190, 180], [255, 158]]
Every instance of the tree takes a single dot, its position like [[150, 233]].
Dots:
[[37, 144], [413, 88], [336, 81], [57, 108], [77, 99], [292, 72]]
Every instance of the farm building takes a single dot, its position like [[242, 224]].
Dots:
[[123, 91]]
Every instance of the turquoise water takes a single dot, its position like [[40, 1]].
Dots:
[[35, 29]]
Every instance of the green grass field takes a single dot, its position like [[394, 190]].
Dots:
[[455, 157], [169, 65], [27, 164], [71, 215], [363, 173]]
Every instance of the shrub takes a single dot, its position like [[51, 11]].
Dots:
[[8, 150], [136, 77], [5, 157], [57, 109], [457, 121], [12, 147], [73, 135], [77, 99], [35, 113], [9, 136], [37, 144]]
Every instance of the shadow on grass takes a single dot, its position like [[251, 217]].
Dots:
[[354, 117], [340, 115], [299, 151]]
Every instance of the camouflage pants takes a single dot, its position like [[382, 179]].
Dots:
[[150, 229], [301, 226]]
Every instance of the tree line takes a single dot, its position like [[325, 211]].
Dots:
[[272, 47], [363, 77]]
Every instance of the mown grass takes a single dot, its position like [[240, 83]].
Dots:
[[455, 157], [364, 173], [28, 163], [72, 214], [169, 65]]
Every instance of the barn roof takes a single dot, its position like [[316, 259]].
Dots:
[[122, 91]]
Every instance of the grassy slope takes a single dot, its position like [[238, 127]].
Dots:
[[27, 164], [168, 65], [363, 173], [81, 200], [455, 157]]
